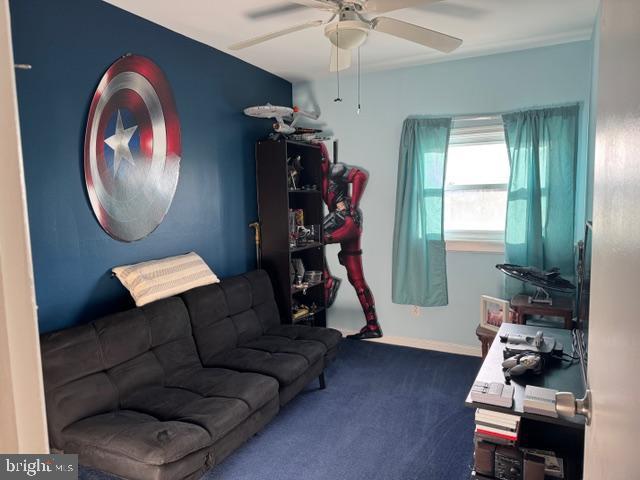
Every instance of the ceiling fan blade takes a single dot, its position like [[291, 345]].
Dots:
[[290, 6], [383, 6], [281, 9], [272, 35], [414, 33], [340, 59], [321, 4]]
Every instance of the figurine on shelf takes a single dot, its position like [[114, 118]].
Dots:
[[299, 310], [304, 235], [343, 225], [298, 269], [297, 230], [293, 229], [294, 167], [282, 115]]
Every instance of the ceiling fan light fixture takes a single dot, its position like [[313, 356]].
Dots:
[[347, 34]]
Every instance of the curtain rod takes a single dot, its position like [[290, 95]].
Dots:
[[580, 104]]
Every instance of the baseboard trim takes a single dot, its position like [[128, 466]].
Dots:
[[425, 344]]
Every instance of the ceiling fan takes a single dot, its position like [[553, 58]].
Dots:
[[352, 28]]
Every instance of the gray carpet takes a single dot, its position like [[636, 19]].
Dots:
[[388, 413]]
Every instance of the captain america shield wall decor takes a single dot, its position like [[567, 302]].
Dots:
[[132, 148]]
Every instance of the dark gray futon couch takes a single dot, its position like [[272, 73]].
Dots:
[[167, 390]]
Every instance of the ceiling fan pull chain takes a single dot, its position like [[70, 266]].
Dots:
[[338, 99], [358, 111]]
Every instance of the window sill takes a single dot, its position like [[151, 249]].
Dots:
[[477, 246]]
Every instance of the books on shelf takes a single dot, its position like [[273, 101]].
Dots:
[[497, 419], [494, 438], [494, 430], [497, 428]]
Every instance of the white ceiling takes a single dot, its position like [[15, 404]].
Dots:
[[487, 26]]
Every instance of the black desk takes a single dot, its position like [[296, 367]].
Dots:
[[564, 436], [560, 376]]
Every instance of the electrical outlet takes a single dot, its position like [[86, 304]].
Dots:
[[415, 311]]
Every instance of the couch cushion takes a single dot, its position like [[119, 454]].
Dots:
[[136, 435], [170, 335], [253, 389], [236, 311], [263, 299], [217, 415], [69, 355], [122, 336], [237, 293], [75, 383], [236, 325], [213, 328], [312, 351], [142, 346], [329, 337], [285, 367]]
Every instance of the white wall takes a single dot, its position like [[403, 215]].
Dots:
[[497, 83]]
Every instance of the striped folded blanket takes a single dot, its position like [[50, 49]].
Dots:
[[156, 279]]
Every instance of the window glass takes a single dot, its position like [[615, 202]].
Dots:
[[475, 200], [477, 164], [475, 210]]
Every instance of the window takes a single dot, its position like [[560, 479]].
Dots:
[[475, 198]]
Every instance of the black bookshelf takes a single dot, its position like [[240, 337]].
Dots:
[[275, 199]]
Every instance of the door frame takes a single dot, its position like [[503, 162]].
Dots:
[[22, 406]]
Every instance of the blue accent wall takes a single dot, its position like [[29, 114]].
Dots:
[[70, 44]]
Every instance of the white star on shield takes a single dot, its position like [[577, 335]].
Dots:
[[119, 143]]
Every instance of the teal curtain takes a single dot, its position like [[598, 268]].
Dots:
[[541, 200], [419, 256]]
